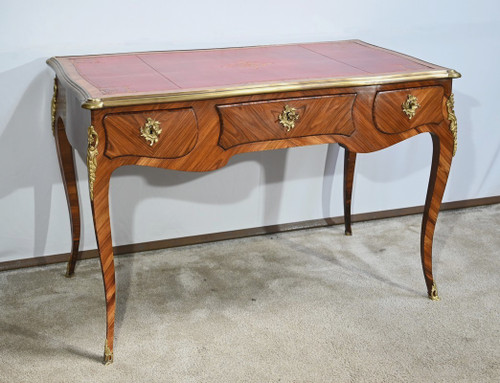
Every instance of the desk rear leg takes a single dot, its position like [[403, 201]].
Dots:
[[68, 172], [349, 165]]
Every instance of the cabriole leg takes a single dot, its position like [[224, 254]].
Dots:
[[100, 211], [441, 162], [349, 165], [67, 165], [99, 176]]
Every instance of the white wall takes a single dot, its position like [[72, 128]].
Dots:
[[255, 189]]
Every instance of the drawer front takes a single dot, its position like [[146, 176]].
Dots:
[[286, 118], [138, 133], [400, 110]]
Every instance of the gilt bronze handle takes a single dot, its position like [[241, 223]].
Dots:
[[288, 117], [151, 131], [410, 106]]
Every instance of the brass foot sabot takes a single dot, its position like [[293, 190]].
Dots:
[[68, 274], [108, 354], [433, 295]]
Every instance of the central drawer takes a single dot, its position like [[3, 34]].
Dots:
[[249, 122]]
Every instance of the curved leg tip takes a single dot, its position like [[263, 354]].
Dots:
[[69, 271], [433, 294], [108, 354], [348, 232]]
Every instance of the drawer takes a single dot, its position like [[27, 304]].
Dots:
[[389, 108], [137, 133], [259, 121]]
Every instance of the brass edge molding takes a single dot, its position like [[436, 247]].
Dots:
[[205, 94], [53, 107], [450, 104], [92, 152], [108, 354], [93, 103], [452, 73]]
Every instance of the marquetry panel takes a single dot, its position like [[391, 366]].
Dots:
[[125, 133], [389, 108]]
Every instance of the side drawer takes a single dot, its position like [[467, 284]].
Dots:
[[389, 108], [266, 120], [126, 133]]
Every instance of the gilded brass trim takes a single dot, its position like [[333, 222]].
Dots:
[[288, 117], [205, 94], [410, 106], [151, 131], [53, 107], [93, 103], [108, 354], [433, 295], [450, 104], [92, 152]]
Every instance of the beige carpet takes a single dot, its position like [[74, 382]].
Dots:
[[304, 306]]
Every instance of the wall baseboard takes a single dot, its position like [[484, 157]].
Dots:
[[205, 238]]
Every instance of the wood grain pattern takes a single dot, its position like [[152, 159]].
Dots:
[[258, 121], [442, 141], [388, 112], [67, 165], [202, 135], [349, 165], [179, 132], [100, 213]]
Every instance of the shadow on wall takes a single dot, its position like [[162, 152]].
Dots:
[[26, 148], [464, 162], [463, 166], [227, 186]]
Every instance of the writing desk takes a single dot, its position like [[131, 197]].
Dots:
[[193, 110]]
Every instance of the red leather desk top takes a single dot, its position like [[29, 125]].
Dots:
[[135, 74]]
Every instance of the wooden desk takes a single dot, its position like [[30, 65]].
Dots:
[[193, 110]]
